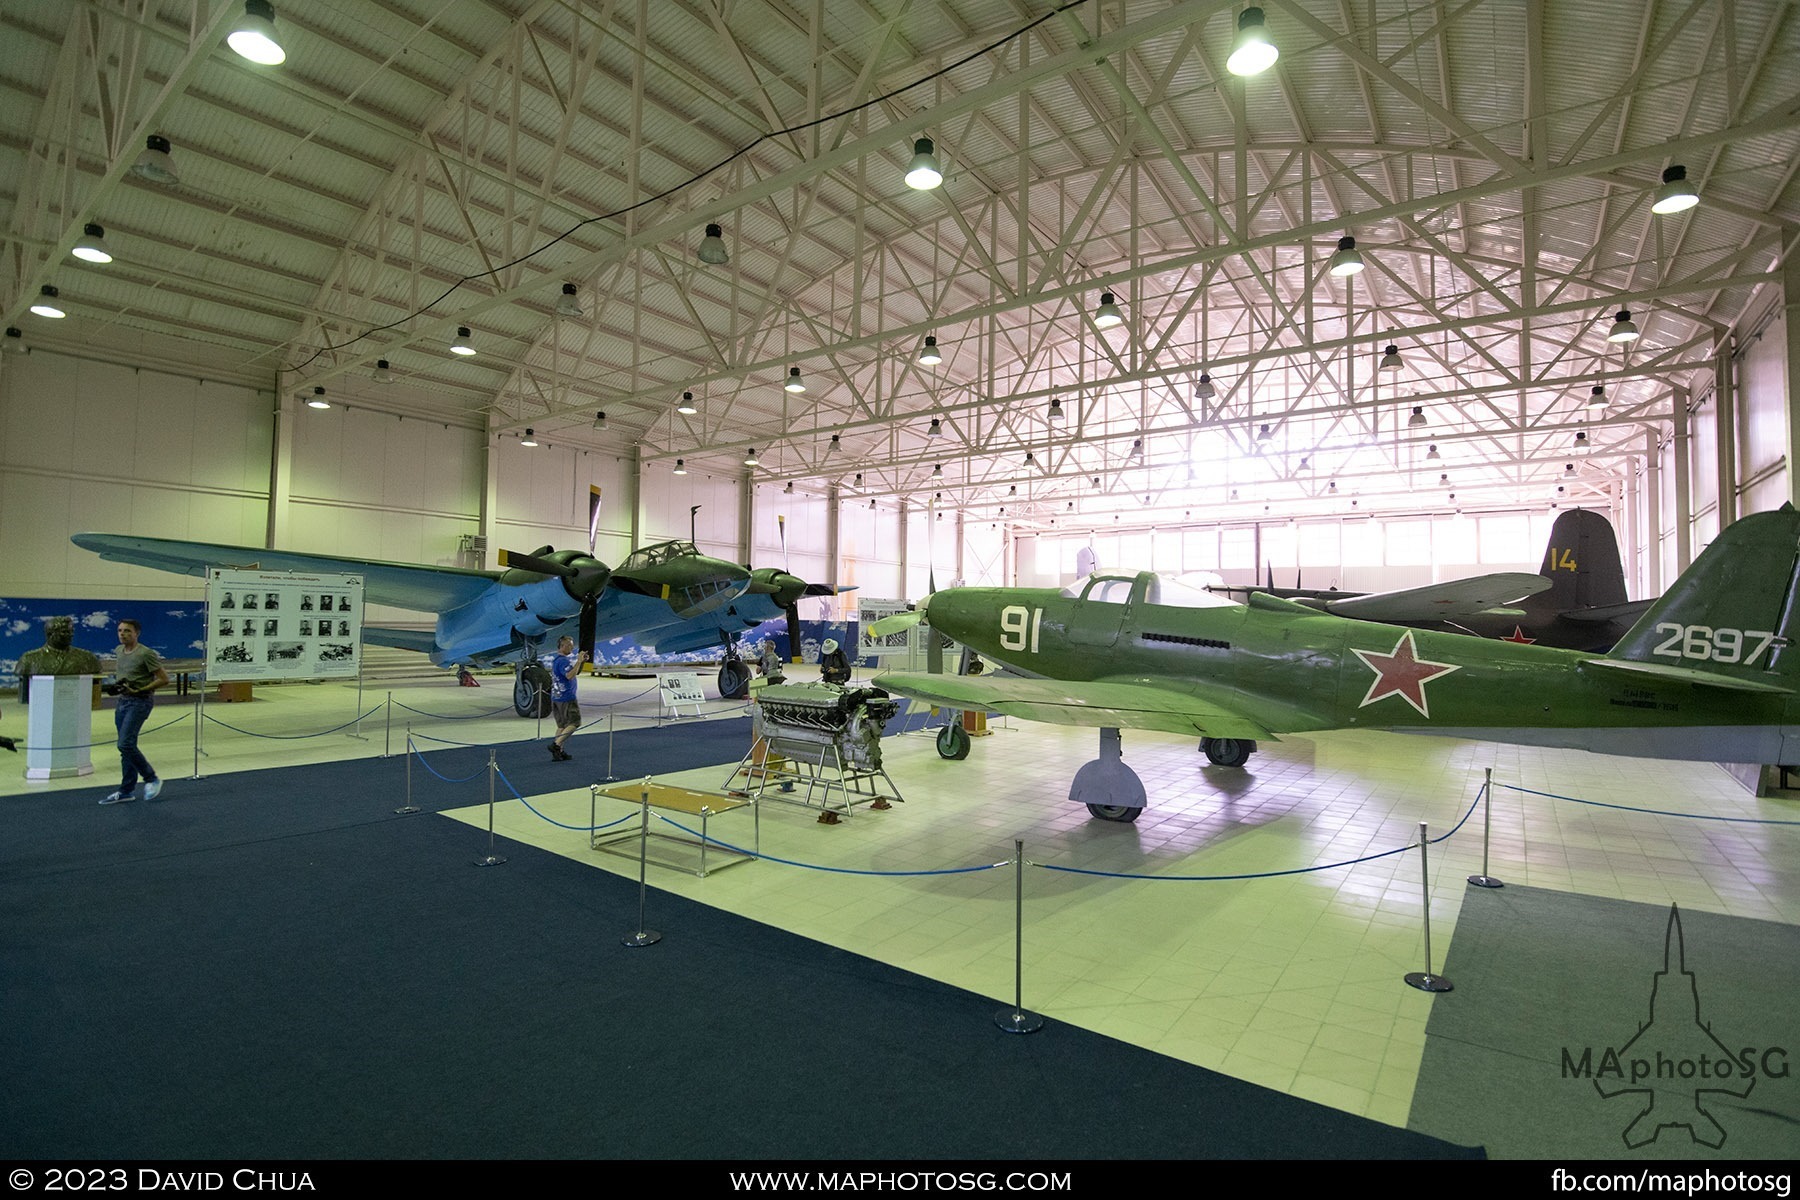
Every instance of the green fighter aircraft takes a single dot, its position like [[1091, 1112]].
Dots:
[[1706, 674]]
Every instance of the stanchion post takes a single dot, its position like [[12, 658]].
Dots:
[[387, 732], [409, 806], [1424, 980], [491, 859], [1016, 1019], [199, 720], [610, 710], [1484, 880], [643, 937]]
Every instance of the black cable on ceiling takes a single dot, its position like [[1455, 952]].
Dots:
[[667, 192]]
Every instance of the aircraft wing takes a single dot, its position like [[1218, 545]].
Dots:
[[1629, 611], [402, 585], [1098, 704], [401, 639], [1441, 601]]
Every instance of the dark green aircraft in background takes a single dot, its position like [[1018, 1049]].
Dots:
[[1575, 601], [1705, 675]]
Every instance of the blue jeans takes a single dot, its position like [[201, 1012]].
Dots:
[[129, 717]]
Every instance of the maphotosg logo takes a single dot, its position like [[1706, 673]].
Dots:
[[1675, 1064]]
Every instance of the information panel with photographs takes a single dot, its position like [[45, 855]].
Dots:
[[870, 609], [264, 625]]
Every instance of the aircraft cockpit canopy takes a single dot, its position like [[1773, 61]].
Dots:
[[1142, 588], [1145, 587], [657, 555]]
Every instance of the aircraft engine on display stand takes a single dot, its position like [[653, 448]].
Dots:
[[819, 745], [800, 720]]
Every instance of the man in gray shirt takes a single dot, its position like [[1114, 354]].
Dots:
[[136, 675]]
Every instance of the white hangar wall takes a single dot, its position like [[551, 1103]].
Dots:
[[379, 486], [88, 446], [1764, 400]]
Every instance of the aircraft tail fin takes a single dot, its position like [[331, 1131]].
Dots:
[[1734, 611], [1582, 564]]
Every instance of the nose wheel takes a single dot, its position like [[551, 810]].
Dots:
[[1110, 789]]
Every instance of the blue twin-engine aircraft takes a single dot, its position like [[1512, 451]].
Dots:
[[668, 596]]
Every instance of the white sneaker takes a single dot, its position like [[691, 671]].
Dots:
[[153, 789], [120, 797]]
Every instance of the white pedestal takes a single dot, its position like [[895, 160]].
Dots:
[[61, 727]]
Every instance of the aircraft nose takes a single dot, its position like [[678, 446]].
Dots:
[[788, 589], [590, 577]]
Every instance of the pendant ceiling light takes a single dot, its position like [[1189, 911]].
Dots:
[[253, 37], [1623, 330], [924, 173], [460, 344], [47, 303], [794, 382], [1346, 260], [153, 163], [1676, 194], [91, 245], [929, 355], [1252, 53], [712, 247], [1108, 314]]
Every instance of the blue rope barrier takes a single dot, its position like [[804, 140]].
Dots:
[[1268, 874], [294, 737], [789, 862], [549, 820], [414, 749], [1660, 812]]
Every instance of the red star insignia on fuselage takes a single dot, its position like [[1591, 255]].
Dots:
[[1402, 673], [1518, 635]]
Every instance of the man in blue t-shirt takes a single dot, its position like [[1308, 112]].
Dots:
[[565, 709]]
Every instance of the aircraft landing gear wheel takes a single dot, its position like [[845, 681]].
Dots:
[[734, 679], [953, 742], [531, 692], [1115, 812], [1227, 752]]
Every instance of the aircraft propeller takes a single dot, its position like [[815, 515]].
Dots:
[[918, 613], [584, 578]]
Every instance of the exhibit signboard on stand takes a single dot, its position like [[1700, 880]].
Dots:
[[263, 625], [675, 688], [60, 726]]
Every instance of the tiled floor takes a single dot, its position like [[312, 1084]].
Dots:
[[1292, 981]]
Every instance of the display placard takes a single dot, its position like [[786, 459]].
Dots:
[[681, 687], [265, 625]]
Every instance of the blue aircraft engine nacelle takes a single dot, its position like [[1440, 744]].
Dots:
[[522, 603]]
